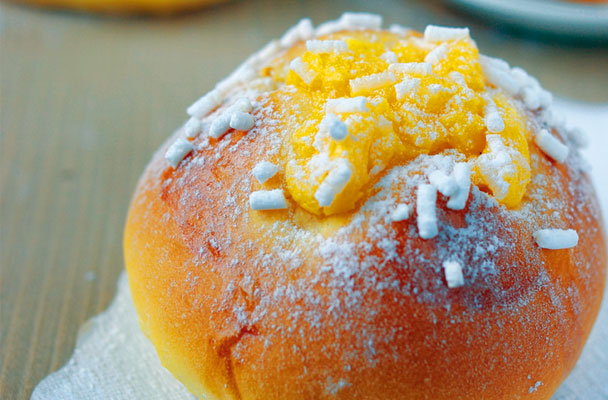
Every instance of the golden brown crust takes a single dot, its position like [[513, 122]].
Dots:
[[243, 304]]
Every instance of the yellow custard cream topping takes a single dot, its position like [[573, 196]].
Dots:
[[357, 103]]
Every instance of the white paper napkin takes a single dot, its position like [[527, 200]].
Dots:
[[114, 361]]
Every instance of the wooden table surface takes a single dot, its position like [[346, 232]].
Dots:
[[85, 100]]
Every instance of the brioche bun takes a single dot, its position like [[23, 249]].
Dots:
[[245, 303]]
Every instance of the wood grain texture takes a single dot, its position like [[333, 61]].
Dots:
[[84, 101]]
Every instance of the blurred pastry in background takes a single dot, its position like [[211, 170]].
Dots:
[[125, 6]]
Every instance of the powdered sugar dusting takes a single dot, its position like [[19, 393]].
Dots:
[[262, 277]]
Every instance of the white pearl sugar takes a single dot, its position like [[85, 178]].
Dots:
[[177, 151], [347, 105], [401, 213], [241, 121], [434, 33], [264, 170], [555, 239], [445, 184], [326, 46], [551, 146], [462, 177], [453, 274], [333, 183], [425, 206], [267, 200], [193, 127], [336, 127]]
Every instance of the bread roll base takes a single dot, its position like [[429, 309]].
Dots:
[[243, 304]]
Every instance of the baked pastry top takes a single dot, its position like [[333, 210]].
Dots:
[[367, 213]]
